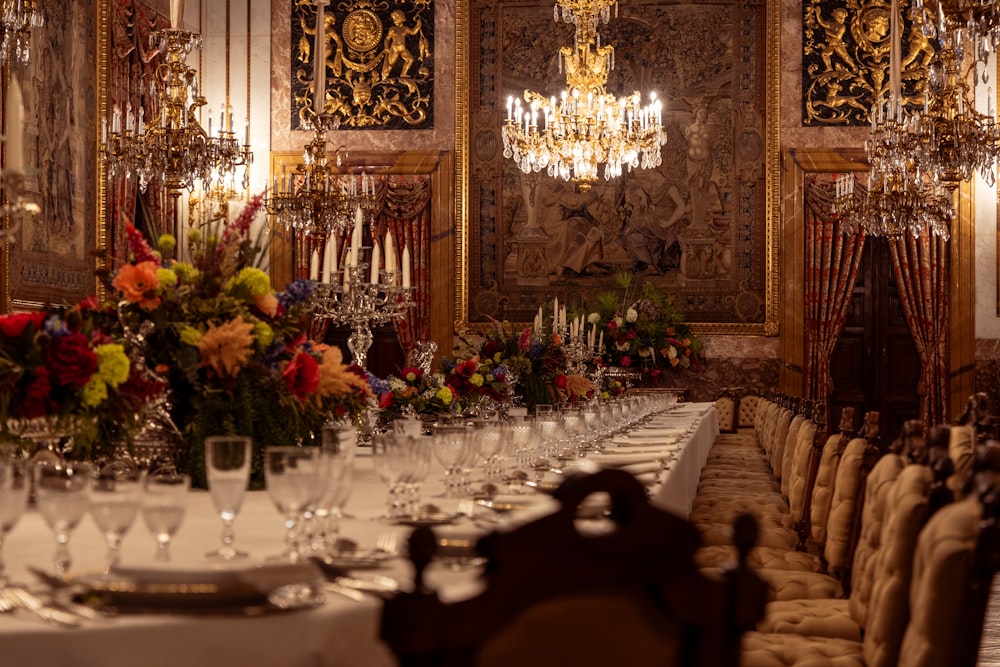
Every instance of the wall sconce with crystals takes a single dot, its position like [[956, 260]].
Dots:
[[571, 136], [17, 19]]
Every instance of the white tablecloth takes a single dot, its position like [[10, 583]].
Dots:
[[341, 632]]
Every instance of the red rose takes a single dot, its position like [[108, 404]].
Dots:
[[71, 361], [36, 394], [412, 373], [626, 360], [301, 375], [12, 326], [386, 400], [560, 381]]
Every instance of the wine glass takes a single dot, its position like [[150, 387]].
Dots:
[[62, 492], [452, 444], [227, 467], [164, 501], [13, 498], [292, 475], [390, 458], [330, 507], [114, 503]]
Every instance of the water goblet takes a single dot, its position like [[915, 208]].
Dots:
[[419, 465], [293, 477], [13, 499], [62, 492], [452, 444], [164, 500], [338, 460], [227, 467], [114, 503], [390, 458], [489, 435]]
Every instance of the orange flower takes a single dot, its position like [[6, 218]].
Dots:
[[337, 378], [227, 347], [138, 283], [267, 304]]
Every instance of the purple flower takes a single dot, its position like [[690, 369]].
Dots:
[[378, 385], [297, 292]]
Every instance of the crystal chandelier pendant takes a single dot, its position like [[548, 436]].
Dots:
[[571, 136], [17, 19]]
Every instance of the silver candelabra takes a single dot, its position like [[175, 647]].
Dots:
[[362, 303]]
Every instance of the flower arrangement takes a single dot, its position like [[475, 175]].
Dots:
[[66, 371], [528, 364], [235, 352], [413, 392], [642, 330]]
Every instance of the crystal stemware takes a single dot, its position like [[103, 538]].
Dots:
[[62, 492], [13, 499], [164, 501], [391, 460], [114, 503], [227, 467], [292, 475], [452, 446]]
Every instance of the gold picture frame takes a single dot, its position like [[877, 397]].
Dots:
[[478, 122]]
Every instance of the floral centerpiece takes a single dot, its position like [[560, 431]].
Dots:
[[642, 330], [66, 372], [527, 364], [236, 353], [413, 392]]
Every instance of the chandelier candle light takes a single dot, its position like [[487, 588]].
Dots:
[[17, 18], [572, 135], [15, 204]]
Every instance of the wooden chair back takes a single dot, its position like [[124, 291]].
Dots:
[[559, 594]]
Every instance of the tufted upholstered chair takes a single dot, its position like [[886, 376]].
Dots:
[[725, 408], [838, 617], [941, 620], [746, 412]]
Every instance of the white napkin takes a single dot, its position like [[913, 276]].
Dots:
[[617, 460]]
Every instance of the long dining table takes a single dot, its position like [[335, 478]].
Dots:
[[342, 629]]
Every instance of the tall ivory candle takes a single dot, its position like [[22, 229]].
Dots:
[[176, 13], [406, 266], [376, 260], [14, 160]]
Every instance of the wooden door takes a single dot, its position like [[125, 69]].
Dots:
[[875, 365]]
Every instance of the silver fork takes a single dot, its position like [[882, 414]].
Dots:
[[20, 598]]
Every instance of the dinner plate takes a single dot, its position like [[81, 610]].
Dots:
[[428, 519], [360, 560], [250, 591]]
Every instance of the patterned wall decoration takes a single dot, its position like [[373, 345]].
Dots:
[[379, 63], [696, 226], [52, 258], [845, 59]]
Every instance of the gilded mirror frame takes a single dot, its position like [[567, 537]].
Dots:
[[771, 102]]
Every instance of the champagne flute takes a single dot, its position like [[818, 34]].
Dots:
[[13, 499], [164, 500], [227, 467], [62, 492], [114, 503], [292, 475]]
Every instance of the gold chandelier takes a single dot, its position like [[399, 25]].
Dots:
[[17, 18], [174, 148], [572, 135], [892, 206]]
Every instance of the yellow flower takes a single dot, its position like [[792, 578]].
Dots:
[[255, 280], [185, 272], [264, 334], [227, 347], [95, 392], [444, 395], [167, 243], [166, 277], [476, 379], [190, 335], [112, 364]]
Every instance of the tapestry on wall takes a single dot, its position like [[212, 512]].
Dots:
[[695, 226], [846, 47], [379, 64], [51, 260]]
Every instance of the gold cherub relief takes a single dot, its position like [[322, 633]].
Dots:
[[846, 58], [378, 62]]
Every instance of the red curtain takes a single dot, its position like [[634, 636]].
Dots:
[[833, 260], [920, 267], [407, 215]]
